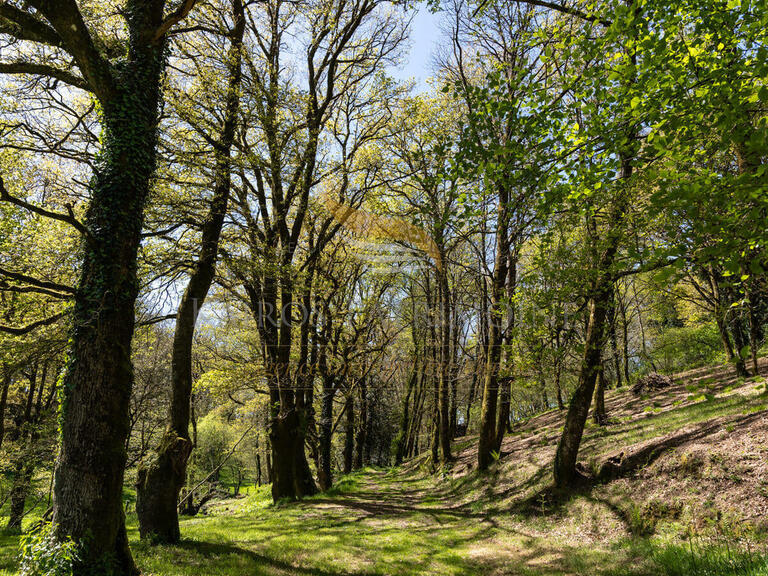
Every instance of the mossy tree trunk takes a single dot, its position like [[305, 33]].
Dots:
[[488, 431], [96, 388]]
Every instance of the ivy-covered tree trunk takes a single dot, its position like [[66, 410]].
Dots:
[[97, 386], [162, 474]]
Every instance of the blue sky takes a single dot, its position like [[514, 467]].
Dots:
[[424, 39]]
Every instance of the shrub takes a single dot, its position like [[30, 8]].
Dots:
[[43, 554], [678, 349]]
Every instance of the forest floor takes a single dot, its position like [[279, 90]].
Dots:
[[698, 505]]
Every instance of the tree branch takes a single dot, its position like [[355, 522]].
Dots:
[[67, 21], [156, 320], [19, 277], [174, 18], [5, 287], [24, 26], [44, 70], [553, 6], [220, 465], [30, 327], [69, 217]]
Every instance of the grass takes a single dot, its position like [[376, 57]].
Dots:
[[457, 522], [384, 523], [376, 523]]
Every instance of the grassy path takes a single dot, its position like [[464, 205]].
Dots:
[[381, 524]]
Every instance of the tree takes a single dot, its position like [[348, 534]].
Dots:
[[346, 41], [161, 477], [98, 379]]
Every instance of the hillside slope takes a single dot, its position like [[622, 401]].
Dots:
[[703, 485]]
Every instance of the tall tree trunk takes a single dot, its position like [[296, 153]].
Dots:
[[505, 390], [414, 428], [625, 339], [568, 447], [599, 414], [362, 427], [349, 433], [97, 385], [614, 341], [22, 480], [754, 327], [720, 312], [405, 417], [444, 413], [600, 298], [291, 475], [471, 397], [7, 377], [487, 440], [324, 473], [161, 475]]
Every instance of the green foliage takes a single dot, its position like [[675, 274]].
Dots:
[[701, 558], [42, 553], [678, 349]]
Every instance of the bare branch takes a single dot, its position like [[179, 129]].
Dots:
[[20, 331], [5, 287], [156, 320], [45, 284], [69, 217], [44, 70], [570, 11]]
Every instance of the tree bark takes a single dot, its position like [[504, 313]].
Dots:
[[7, 377], [349, 433], [567, 450], [22, 479], [161, 476], [505, 389], [599, 415], [443, 429], [405, 417], [720, 311], [324, 473], [98, 382], [754, 327], [488, 436], [362, 427]]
